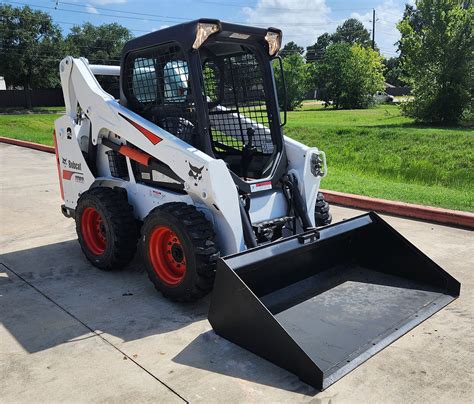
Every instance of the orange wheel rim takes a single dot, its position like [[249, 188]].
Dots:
[[167, 255], [93, 231]]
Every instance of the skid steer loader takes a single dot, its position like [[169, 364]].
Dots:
[[192, 157]]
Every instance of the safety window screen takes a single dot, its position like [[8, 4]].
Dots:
[[238, 113], [159, 88]]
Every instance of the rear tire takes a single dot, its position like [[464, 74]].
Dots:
[[179, 251], [322, 216], [106, 228]]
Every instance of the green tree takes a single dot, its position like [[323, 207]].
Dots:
[[352, 31], [393, 71], [437, 55], [348, 76], [99, 44], [31, 48], [290, 48], [297, 80], [316, 51]]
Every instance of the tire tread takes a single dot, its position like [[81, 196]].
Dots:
[[322, 214], [206, 253], [123, 225]]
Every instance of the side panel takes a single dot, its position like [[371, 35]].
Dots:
[[299, 164], [268, 206], [73, 170], [142, 197], [145, 198]]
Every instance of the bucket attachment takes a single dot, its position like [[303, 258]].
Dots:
[[321, 303]]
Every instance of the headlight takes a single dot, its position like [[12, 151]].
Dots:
[[274, 42], [204, 29], [318, 164]]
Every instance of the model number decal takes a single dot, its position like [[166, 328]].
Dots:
[[261, 186]]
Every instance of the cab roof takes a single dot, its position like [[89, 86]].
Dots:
[[185, 34]]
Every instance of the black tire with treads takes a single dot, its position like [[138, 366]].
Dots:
[[196, 239], [322, 214], [119, 227]]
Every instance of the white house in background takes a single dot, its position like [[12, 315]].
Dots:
[[3, 85]]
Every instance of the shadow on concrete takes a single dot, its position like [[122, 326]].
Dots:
[[123, 304], [58, 297], [210, 352]]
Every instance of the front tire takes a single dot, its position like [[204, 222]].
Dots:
[[106, 228], [179, 251]]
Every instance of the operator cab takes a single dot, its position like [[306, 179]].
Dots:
[[211, 85]]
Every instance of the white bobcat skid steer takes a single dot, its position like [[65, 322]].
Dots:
[[193, 156]]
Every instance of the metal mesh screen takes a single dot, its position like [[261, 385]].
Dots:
[[237, 108], [158, 85], [117, 164]]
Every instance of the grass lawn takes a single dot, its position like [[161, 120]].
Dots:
[[374, 152], [32, 127], [377, 152]]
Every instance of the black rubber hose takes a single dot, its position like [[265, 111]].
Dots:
[[299, 205], [249, 235]]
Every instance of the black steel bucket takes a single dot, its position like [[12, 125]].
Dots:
[[319, 307]]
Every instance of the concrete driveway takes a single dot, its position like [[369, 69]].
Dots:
[[69, 332]]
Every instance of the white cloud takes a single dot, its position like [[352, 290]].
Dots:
[[301, 22], [91, 9], [304, 20], [387, 15]]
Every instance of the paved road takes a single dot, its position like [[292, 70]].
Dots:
[[70, 332]]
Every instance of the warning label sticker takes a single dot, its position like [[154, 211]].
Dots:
[[261, 186]]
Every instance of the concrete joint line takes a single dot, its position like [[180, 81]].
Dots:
[[94, 332]]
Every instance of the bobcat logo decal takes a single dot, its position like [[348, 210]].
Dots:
[[195, 172]]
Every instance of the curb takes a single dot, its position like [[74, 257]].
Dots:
[[408, 210], [25, 143]]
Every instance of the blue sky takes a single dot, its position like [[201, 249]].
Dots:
[[301, 20]]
